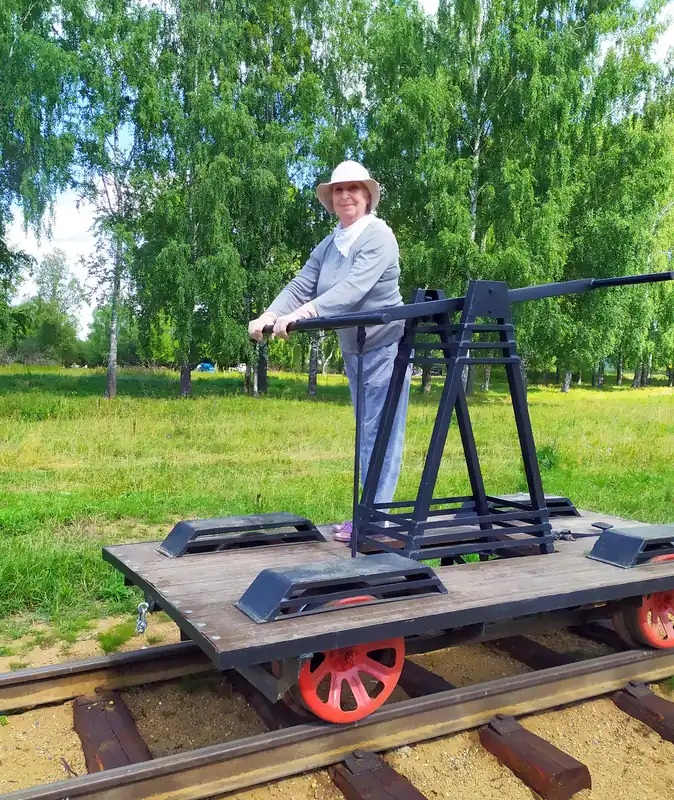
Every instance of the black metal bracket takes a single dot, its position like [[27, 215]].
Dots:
[[231, 533], [274, 687], [633, 546], [277, 594]]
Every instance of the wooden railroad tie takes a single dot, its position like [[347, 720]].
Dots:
[[596, 632], [417, 681], [365, 776], [108, 733], [550, 772], [637, 700], [529, 652]]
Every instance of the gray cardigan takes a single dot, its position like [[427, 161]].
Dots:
[[365, 280]]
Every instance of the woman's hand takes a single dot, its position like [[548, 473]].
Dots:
[[303, 312], [256, 326]]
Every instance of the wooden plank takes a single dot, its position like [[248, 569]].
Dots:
[[417, 681], [108, 733], [637, 700], [484, 592], [365, 776], [550, 772], [233, 766], [529, 652], [471, 589]]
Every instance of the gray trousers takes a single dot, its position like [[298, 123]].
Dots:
[[377, 370]]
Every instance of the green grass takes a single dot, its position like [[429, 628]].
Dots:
[[114, 638], [77, 472]]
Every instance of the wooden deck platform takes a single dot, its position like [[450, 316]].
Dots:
[[199, 591]]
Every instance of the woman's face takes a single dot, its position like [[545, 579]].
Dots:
[[350, 201]]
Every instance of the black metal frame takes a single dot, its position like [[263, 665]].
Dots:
[[451, 527], [633, 546], [231, 533], [287, 592]]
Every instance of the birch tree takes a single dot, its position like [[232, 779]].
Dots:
[[117, 51]]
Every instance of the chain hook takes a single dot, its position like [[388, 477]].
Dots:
[[141, 622]]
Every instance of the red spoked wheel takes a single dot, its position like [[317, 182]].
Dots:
[[349, 683], [652, 623]]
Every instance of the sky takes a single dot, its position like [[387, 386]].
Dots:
[[71, 226]]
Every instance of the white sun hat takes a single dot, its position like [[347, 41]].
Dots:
[[348, 172]]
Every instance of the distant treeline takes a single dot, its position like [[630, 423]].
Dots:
[[514, 141]]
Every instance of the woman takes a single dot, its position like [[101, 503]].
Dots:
[[355, 268]]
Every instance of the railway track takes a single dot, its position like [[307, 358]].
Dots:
[[304, 747]]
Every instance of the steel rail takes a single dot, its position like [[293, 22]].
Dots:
[[233, 766], [57, 683]]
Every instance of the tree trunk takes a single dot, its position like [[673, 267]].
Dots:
[[426, 378], [601, 377], [619, 371], [185, 380], [567, 381], [645, 374], [486, 378], [636, 380], [326, 358], [670, 372], [470, 383], [476, 143], [464, 377], [524, 366], [248, 379], [580, 378], [594, 378], [262, 364], [313, 363], [111, 380]]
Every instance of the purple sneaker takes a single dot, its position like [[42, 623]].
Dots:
[[342, 532]]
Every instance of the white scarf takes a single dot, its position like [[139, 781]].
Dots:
[[345, 237]]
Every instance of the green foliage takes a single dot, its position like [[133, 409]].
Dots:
[[97, 345], [513, 142], [56, 285], [112, 640], [37, 97], [510, 149], [548, 457], [42, 332]]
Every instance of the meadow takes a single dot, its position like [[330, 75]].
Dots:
[[78, 472]]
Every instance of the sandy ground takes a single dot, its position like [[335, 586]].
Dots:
[[161, 630], [626, 759], [466, 664], [38, 747]]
